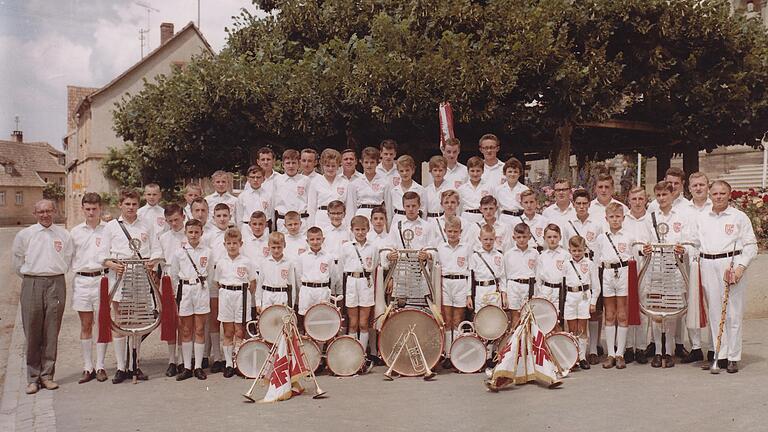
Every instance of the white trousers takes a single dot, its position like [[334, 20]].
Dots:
[[712, 273]]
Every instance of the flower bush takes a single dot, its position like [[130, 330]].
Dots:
[[755, 204]]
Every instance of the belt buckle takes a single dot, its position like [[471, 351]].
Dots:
[[616, 272]]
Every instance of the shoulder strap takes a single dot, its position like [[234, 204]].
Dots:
[[655, 226], [607, 234], [440, 228], [127, 235], [360, 258], [488, 267], [581, 282], [533, 236], [400, 230], [194, 266]]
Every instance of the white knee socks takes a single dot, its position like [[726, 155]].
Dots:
[[621, 340], [86, 345], [121, 353], [186, 349], [610, 339]]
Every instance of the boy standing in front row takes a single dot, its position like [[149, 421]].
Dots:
[[190, 267], [234, 275]]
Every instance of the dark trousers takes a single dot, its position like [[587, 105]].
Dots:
[[42, 306]]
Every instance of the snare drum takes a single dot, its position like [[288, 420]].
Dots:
[[491, 322], [468, 354], [564, 347], [322, 322], [251, 356], [428, 332], [543, 311], [345, 356], [271, 321]]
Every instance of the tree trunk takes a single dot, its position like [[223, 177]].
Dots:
[[663, 162], [690, 161], [560, 157]]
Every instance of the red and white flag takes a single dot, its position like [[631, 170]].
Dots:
[[515, 366], [543, 365], [445, 116], [280, 378]]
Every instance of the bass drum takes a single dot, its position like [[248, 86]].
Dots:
[[564, 348], [345, 356], [468, 354], [491, 322], [312, 352], [322, 322], [251, 356], [427, 330], [271, 321], [544, 312]]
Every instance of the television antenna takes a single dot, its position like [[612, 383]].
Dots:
[[143, 32]]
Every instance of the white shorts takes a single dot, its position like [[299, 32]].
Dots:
[[195, 300], [455, 292], [358, 293], [613, 286], [85, 293], [517, 294], [480, 293], [551, 294], [269, 298], [231, 306], [310, 296], [576, 306]]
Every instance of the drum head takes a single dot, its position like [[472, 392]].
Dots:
[[322, 322], [564, 348], [427, 330], [345, 356], [251, 356], [544, 312], [468, 353], [312, 353], [491, 322], [271, 322]]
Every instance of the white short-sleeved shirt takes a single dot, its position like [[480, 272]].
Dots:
[[350, 262], [295, 245], [289, 193], [393, 198], [170, 243], [368, 192], [252, 200], [590, 229], [434, 197], [456, 176], [472, 194], [234, 272], [520, 264], [495, 260], [334, 238], [608, 244], [493, 174], [537, 225], [256, 248], [182, 268], [454, 259], [321, 193], [509, 198], [155, 216], [316, 267], [503, 234], [551, 265], [583, 272], [597, 210], [555, 215], [41, 251], [87, 241], [226, 198], [422, 234], [392, 176], [116, 245], [716, 233]]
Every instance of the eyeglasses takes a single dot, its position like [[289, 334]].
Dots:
[[562, 189], [336, 213]]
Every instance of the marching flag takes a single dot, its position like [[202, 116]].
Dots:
[[299, 369], [544, 366], [697, 308], [169, 314], [445, 116], [514, 363], [280, 379], [633, 299], [105, 321]]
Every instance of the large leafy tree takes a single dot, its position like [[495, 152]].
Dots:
[[347, 73]]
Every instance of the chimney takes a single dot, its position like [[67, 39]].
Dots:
[[166, 32], [17, 136]]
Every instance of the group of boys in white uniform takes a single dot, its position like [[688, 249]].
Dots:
[[328, 231]]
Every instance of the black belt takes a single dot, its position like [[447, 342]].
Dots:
[[301, 215], [485, 282], [578, 288], [43, 277], [551, 285], [435, 215], [512, 212], [370, 206], [400, 212], [357, 274], [524, 281], [473, 211], [591, 254], [455, 277], [234, 287], [720, 256], [192, 281], [93, 274], [323, 208], [274, 289], [617, 265], [316, 284]]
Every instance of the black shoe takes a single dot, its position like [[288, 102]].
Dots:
[[584, 365], [650, 350], [184, 374], [205, 363], [229, 372], [367, 366], [693, 356], [680, 351], [640, 356], [722, 363], [200, 374], [710, 356], [377, 361], [668, 361], [656, 362], [171, 371], [320, 367], [216, 367], [733, 367], [141, 376], [447, 364], [600, 351], [180, 367], [120, 376], [489, 363], [629, 355]]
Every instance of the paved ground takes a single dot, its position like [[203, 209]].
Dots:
[[639, 397]]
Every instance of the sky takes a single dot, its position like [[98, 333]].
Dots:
[[46, 45]]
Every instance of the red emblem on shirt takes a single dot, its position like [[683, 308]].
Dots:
[[368, 262], [376, 187], [517, 197], [584, 267], [460, 261], [160, 221], [677, 227], [539, 231], [590, 236], [264, 204], [300, 190], [58, 245], [284, 274], [302, 250], [730, 228], [531, 264], [323, 267], [484, 193], [419, 231], [456, 184], [395, 181], [242, 271], [497, 260], [98, 241], [144, 237], [622, 247], [560, 264], [340, 190], [203, 261]]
